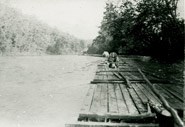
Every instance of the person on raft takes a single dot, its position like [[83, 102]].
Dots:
[[113, 60]]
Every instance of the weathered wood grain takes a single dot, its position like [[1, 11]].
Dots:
[[121, 102], [131, 107], [118, 76], [137, 101], [125, 118], [113, 107], [132, 76], [128, 83], [97, 77], [140, 94], [88, 99], [148, 92], [175, 103], [177, 121], [173, 91], [114, 100], [106, 81], [101, 124], [103, 99], [96, 99], [120, 70]]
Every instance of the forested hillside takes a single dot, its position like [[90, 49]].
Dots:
[[142, 27], [23, 35]]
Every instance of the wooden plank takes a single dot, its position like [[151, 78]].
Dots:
[[175, 103], [102, 124], [113, 107], [106, 81], [118, 76], [138, 103], [128, 83], [126, 79], [104, 76], [120, 70], [177, 119], [88, 99], [100, 73], [137, 76], [125, 74], [123, 66], [128, 101], [129, 68], [105, 73], [97, 76], [133, 77], [154, 78], [148, 93], [151, 76], [173, 87], [96, 101], [103, 99], [174, 93], [101, 68], [140, 94], [121, 102], [108, 75], [125, 118], [153, 81]]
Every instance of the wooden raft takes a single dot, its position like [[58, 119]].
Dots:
[[106, 102], [113, 98], [119, 97], [172, 92]]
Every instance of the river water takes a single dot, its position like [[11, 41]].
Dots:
[[43, 91]]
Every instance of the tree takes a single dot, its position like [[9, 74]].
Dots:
[[21, 34], [159, 29], [142, 27]]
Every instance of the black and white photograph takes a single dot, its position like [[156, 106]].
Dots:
[[92, 63]]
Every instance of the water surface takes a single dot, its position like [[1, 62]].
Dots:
[[43, 91]]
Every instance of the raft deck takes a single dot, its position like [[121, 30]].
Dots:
[[121, 97]]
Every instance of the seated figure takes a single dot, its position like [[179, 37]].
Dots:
[[113, 60]]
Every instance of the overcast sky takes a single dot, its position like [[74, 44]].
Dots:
[[78, 17]]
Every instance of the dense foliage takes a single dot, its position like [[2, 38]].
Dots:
[[142, 27], [20, 34]]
